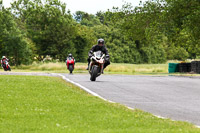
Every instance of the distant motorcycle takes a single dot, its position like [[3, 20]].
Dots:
[[6, 66], [96, 65], [70, 64]]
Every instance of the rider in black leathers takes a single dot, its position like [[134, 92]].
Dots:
[[99, 47]]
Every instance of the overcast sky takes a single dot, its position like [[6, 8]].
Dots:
[[90, 6]]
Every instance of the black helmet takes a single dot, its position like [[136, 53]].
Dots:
[[100, 41], [70, 55]]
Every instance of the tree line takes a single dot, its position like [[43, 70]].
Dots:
[[152, 32]]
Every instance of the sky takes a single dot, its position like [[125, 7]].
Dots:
[[90, 6]]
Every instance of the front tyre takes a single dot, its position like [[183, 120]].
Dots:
[[94, 73], [70, 69]]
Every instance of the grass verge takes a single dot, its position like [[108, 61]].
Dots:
[[114, 68], [49, 104]]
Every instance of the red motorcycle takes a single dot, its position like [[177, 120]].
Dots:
[[6, 66], [70, 64]]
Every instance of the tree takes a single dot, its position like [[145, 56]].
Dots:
[[12, 41], [48, 25]]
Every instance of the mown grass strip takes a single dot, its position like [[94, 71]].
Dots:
[[114, 68], [49, 104]]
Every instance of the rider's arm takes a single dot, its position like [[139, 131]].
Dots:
[[91, 51], [107, 57], [106, 52]]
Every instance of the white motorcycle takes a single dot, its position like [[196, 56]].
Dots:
[[96, 65]]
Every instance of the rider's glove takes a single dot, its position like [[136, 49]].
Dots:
[[107, 57], [90, 55]]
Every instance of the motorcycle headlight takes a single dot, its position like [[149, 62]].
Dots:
[[101, 61]]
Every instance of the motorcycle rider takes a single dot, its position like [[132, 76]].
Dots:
[[99, 47], [70, 56], [3, 59]]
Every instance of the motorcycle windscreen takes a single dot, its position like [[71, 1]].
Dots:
[[98, 54], [69, 58]]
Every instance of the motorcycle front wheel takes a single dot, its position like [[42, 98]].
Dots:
[[94, 73], [70, 69]]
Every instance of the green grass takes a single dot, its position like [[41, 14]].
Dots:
[[59, 67], [114, 68], [50, 105], [137, 69]]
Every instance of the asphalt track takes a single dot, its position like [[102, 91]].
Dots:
[[177, 98]]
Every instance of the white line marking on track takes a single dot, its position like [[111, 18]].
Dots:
[[84, 88], [160, 117], [130, 107], [87, 90]]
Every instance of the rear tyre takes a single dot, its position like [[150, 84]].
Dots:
[[94, 73]]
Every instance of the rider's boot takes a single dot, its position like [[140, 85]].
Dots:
[[88, 66], [102, 72]]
